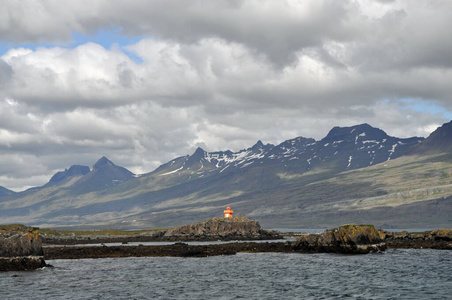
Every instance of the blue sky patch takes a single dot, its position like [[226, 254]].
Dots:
[[108, 38], [104, 37], [427, 106]]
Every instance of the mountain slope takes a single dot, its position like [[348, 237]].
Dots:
[[439, 141], [355, 174], [63, 177], [103, 175], [5, 192]]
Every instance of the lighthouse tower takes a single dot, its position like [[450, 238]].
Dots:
[[228, 212]]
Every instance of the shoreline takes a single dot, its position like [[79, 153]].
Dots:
[[66, 248], [180, 249], [175, 250], [144, 239], [347, 239]]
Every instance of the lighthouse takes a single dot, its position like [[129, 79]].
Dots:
[[228, 212]]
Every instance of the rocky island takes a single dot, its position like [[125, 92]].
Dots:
[[20, 248], [347, 239], [224, 229], [434, 239]]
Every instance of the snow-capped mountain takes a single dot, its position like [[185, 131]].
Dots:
[[343, 148], [351, 175]]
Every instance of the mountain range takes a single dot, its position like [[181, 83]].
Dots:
[[355, 174]]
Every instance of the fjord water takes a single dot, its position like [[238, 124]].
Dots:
[[395, 274]]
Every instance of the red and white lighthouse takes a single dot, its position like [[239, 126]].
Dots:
[[228, 212]]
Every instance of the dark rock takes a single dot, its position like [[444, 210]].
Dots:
[[347, 239], [177, 250], [20, 248], [435, 239], [21, 263]]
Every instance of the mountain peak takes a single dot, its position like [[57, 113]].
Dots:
[[195, 158], [102, 162], [439, 140], [5, 192], [74, 170], [258, 145], [342, 133], [442, 132], [199, 153], [104, 174]]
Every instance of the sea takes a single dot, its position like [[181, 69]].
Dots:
[[393, 274]]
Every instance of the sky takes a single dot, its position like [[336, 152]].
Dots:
[[143, 81]]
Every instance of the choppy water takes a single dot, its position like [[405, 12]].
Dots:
[[396, 274]]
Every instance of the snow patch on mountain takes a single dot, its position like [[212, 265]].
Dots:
[[172, 172]]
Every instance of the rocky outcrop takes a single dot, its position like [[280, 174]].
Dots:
[[236, 228], [435, 239], [21, 243], [347, 239], [21, 263], [356, 239], [20, 248]]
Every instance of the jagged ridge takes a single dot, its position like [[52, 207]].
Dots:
[[345, 148]]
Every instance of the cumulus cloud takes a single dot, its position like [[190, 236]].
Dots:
[[218, 74]]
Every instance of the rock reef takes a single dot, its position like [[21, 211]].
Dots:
[[177, 250], [361, 239], [435, 239], [347, 239], [20, 248]]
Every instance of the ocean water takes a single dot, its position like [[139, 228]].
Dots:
[[394, 274]]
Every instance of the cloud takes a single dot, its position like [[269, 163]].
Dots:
[[276, 29], [218, 74]]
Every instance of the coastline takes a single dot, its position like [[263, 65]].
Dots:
[[68, 249], [176, 250], [20, 244]]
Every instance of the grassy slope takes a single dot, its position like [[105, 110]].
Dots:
[[409, 191], [406, 192]]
